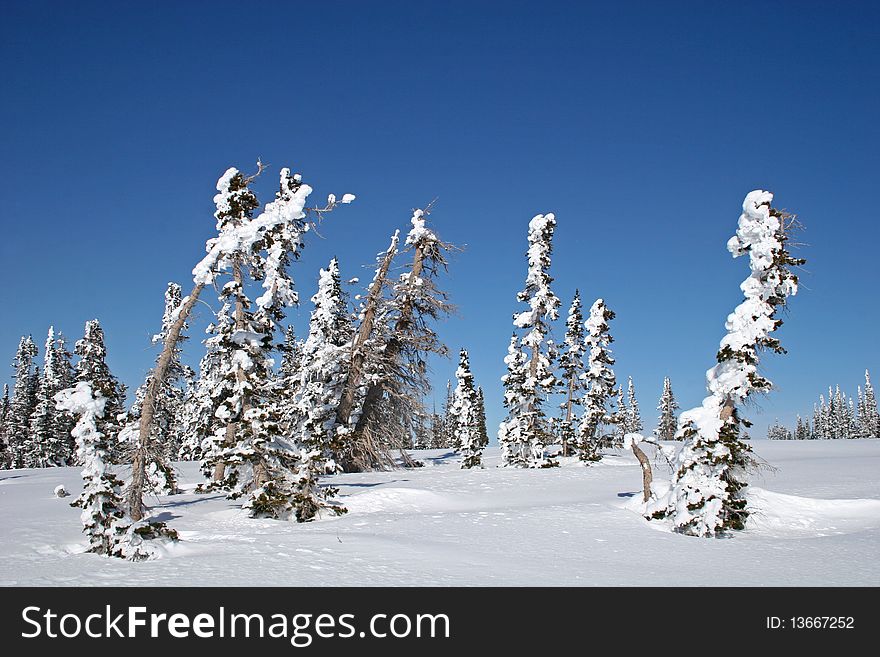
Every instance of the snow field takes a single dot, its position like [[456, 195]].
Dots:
[[816, 521]]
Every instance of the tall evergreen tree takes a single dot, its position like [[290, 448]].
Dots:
[[323, 370], [634, 417], [22, 404], [667, 423], [251, 452], [707, 495], [481, 417], [5, 456], [92, 368], [871, 422], [525, 432], [801, 429], [102, 515], [48, 444], [571, 362], [466, 415], [600, 381], [620, 418]]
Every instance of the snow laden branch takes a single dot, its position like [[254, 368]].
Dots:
[[708, 493]]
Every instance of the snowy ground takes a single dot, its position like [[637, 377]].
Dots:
[[817, 522]]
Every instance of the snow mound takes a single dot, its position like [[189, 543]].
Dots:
[[399, 500], [790, 516]]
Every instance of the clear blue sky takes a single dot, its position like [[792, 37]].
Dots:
[[641, 125]]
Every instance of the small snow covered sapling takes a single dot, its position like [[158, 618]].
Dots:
[[707, 496], [61, 491], [109, 530]]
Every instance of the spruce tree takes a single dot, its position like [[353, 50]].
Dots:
[[620, 418], [600, 381], [571, 363], [466, 414], [251, 453], [667, 423], [447, 431], [102, 515], [801, 430], [21, 406], [525, 431], [92, 368], [778, 432], [634, 417], [871, 422], [707, 496], [109, 530], [323, 370], [5, 456], [48, 444], [481, 416]]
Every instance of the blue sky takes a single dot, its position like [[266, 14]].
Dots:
[[641, 125]]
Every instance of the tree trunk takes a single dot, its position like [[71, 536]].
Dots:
[[647, 475], [569, 407], [392, 349], [138, 465], [238, 315], [358, 355]]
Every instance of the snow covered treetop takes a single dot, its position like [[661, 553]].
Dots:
[[419, 233], [597, 322], [80, 400]]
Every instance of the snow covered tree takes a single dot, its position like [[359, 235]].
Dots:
[[667, 423], [571, 362], [5, 456], [802, 429], [21, 406], [466, 416], [92, 368], [290, 374], [869, 417], [109, 530], [103, 515], [323, 369], [48, 442], [620, 418], [600, 382], [634, 417], [821, 423], [778, 432], [707, 496], [197, 421], [252, 453], [530, 379], [481, 417]]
